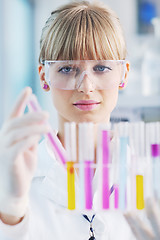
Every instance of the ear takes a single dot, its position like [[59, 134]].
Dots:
[[125, 80], [43, 82]]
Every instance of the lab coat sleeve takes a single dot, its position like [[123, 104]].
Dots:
[[15, 232]]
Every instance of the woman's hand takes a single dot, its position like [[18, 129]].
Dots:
[[141, 230], [19, 138]]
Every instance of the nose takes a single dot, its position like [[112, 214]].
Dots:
[[85, 84]]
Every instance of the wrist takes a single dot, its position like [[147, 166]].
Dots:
[[13, 206]]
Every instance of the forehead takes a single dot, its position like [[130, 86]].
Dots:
[[81, 62]]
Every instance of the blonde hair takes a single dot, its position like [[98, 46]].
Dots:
[[82, 31]]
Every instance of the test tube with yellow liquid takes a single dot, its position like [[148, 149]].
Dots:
[[70, 145], [139, 192], [138, 156]]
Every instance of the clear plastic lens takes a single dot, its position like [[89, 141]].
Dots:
[[69, 75]]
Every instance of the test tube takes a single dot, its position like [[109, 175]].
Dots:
[[81, 146], [131, 190], [70, 145], [55, 144], [155, 154], [123, 138], [105, 168], [88, 158], [138, 139], [149, 192], [115, 161]]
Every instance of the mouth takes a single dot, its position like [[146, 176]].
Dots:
[[86, 105]]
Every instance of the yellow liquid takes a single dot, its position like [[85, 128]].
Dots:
[[71, 185], [139, 192]]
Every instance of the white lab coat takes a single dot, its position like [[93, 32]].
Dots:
[[47, 217]]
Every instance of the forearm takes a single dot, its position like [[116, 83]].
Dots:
[[10, 220]]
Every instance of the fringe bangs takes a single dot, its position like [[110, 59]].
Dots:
[[83, 34]]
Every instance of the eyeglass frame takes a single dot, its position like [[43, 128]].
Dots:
[[123, 61]]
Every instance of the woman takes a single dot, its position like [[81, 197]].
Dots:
[[77, 31]]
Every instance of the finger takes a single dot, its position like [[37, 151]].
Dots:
[[25, 165], [153, 214], [20, 104], [31, 156], [133, 227], [34, 148], [25, 144], [145, 230], [27, 119], [139, 228], [19, 134]]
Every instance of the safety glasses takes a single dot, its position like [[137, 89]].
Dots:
[[71, 74]]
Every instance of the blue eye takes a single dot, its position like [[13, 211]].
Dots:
[[65, 69], [101, 68]]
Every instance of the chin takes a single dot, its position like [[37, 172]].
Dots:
[[94, 119]]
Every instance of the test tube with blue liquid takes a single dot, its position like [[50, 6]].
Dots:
[[123, 143]]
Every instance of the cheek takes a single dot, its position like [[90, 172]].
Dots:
[[110, 99], [60, 99]]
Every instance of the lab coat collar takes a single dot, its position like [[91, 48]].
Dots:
[[52, 174]]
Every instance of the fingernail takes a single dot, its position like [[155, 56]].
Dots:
[[28, 90], [44, 117], [47, 128], [46, 114], [41, 116]]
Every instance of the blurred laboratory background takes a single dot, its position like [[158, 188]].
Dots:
[[21, 22]]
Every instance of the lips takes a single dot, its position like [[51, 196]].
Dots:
[[86, 105]]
